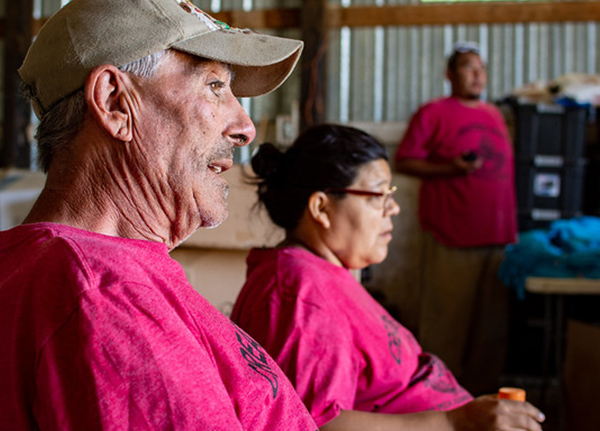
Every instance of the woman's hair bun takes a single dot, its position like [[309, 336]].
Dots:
[[266, 162]]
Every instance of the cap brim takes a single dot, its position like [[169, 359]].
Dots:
[[261, 62]]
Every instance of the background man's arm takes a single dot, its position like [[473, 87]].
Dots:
[[425, 169]]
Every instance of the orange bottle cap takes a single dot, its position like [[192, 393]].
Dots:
[[516, 394]]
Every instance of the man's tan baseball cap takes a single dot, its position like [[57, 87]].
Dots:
[[88, 33]]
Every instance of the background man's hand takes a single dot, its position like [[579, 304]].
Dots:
[[466, 165]]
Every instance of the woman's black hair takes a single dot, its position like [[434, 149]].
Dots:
[[324, 156]]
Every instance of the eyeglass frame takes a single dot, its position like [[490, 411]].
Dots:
[[387, 195]]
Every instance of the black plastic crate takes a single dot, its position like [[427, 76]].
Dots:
[[549, 130], [547, 192], [591, 196]]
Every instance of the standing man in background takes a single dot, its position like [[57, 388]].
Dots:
[[460, 148]]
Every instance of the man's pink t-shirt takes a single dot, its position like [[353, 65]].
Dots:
[[338, 346], [472, 210], [105, 333]]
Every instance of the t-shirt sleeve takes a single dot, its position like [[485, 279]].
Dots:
[[320, 360], [434, 385], [124, 365], [418, 134]]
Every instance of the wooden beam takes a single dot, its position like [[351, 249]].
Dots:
[[463, 13], [424, 14], [313, 93], [37, 24], [16, 145]]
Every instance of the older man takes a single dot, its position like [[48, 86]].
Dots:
[[460, 148], [100, 328]]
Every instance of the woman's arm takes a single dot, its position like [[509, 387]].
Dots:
[[486, 413]]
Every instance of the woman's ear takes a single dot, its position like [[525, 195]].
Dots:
[[106, 90], [318, 207]]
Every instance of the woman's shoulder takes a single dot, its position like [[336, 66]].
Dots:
[[289, 259], [296, 271]]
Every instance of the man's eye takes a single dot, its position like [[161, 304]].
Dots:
[[216, 85]]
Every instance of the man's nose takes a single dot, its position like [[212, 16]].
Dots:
[[243, 130]]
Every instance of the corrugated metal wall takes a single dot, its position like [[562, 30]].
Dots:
[[385, 73]]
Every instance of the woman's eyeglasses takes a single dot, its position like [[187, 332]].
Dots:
[[387, 195]]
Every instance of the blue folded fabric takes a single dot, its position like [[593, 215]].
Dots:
[[568, 248]]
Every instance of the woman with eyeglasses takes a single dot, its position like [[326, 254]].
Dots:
[[354, 366]]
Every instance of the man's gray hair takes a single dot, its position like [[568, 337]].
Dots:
[[63, 121]]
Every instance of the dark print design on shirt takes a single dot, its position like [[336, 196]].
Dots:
[[434, 374], [394, 341], [256, 357], [490, 142]]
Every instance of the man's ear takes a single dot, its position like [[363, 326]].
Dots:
[[318, 207], [106, 97], [448, 75]]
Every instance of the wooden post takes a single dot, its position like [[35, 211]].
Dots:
[[313, 99], [16, 146]]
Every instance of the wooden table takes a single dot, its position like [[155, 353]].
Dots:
[[563, 286]]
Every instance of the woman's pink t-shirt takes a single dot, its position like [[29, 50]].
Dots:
[[337, 345]]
